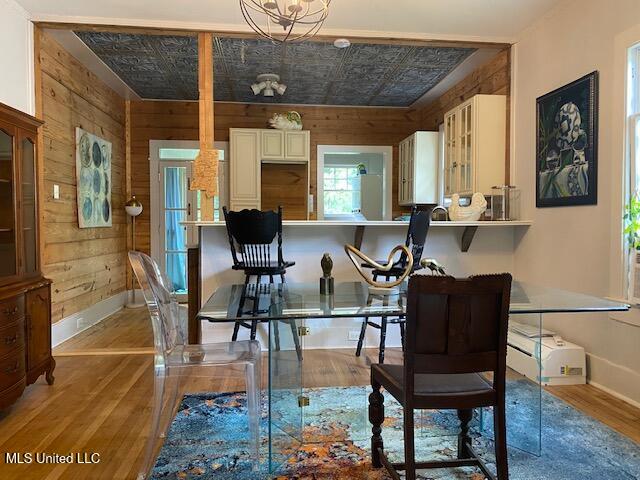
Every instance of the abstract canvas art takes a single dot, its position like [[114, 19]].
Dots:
[[93, 171], [567, 144]]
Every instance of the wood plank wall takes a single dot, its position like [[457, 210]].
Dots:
[[86, 265], [493, 78], [155, 121], [328, 126]]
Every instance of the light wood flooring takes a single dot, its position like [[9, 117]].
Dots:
[[100, 401]]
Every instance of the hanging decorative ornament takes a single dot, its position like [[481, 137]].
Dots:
[[285, 20]]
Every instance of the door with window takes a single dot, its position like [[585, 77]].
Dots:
[[172, 202]]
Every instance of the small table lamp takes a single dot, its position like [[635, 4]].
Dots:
[[133, 208]]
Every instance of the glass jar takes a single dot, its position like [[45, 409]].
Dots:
[[505, 203]]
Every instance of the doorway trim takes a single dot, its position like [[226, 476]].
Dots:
[[387, 154], [154, 188]]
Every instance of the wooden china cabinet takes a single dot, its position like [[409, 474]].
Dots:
[[25, 295]]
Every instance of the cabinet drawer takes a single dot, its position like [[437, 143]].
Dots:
[[11, 310], [12, 369], [11, 337]]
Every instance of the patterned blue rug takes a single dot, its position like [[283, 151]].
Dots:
[[208, 440]]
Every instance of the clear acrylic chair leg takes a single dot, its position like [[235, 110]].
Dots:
[[253, 380], [156, 417]]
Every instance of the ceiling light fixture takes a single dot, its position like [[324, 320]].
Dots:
[[268, 83], [299, 19], [341, 43]]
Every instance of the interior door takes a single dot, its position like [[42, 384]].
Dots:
[[173, 203], [175, 208]]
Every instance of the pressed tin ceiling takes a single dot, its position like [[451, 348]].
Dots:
[[166, 67]]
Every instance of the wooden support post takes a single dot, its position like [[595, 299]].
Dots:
[[194, 333], [206, 114]]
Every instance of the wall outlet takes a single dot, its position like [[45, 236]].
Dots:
[[56, 192], [354, 335]]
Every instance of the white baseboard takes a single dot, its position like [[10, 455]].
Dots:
[[72, 325], [617, 380]]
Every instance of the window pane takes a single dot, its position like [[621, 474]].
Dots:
[[174, 232], [177, 271], [175, 187], [179, 153]]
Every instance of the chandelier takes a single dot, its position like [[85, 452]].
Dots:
[[285, 20]]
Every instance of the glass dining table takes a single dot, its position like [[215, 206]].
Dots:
[[296, 312]]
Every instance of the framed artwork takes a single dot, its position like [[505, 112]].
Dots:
[[567, 145], [93, 172]]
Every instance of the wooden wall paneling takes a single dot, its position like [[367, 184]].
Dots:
[[128, 172], [154, 120], [286, 185], [40, 164], [85, 265]]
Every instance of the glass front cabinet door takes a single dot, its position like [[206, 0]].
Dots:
[[19, 257], [29, 224], [8, 230], [475, 136], [450, 160]]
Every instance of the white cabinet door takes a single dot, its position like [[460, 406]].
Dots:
[[272, 145], [296, 146], [466, 161], [450, 153], [244, 169], [402, 172], [411, 172]]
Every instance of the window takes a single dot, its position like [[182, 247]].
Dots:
[[632, 270], [341, 190]]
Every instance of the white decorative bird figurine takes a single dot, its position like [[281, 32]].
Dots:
[[467, 214]]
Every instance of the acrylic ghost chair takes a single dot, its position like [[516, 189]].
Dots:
[[175, 360]]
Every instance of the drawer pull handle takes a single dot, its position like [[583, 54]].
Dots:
[[10, 311], [10, 340], [13, 369]]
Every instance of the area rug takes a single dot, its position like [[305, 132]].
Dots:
[[208, 440]]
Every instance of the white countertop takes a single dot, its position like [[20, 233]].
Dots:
[[383, 223]]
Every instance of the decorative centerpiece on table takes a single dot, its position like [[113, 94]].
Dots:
[[326, 281], [471, 213], [286, 121], [375, 287]]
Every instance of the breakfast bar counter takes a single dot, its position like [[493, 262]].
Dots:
[[304, 242]]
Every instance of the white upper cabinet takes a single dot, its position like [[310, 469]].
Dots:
[[475, 142], [249, 148], [272, 145], [296, 145], [285, 146], [244, 168], [418, 169]]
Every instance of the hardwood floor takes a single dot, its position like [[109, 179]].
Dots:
[[101, 403]]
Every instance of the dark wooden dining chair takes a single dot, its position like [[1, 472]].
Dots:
[[415, 240], [252, 234], [456, 335]]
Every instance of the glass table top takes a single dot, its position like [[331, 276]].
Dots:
[[352, 299]]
